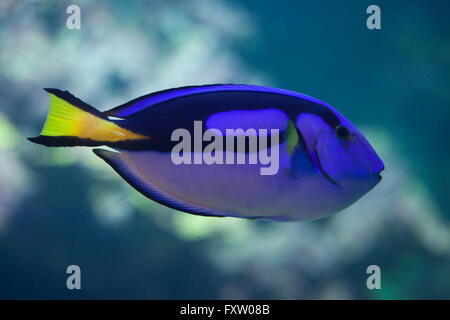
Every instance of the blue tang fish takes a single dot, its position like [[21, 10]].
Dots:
[[319, 162]]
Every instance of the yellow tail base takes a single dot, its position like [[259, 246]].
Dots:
[[65, 119]]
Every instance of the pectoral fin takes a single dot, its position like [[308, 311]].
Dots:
[[292, 137], [301, 162]]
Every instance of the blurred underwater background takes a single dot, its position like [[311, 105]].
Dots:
[[63, 206]]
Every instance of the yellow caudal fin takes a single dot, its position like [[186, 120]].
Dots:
[[72, 122]]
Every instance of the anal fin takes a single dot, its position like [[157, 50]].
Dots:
[[115, 160]]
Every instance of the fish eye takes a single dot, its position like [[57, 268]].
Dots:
[[341, 132]]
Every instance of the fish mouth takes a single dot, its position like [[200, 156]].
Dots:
[[378, 169], [379, 177], [378, 174]]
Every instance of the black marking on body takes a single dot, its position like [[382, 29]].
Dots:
[[161, 119]]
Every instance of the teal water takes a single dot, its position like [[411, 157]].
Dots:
[[64, 206]]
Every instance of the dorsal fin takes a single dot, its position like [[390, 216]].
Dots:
[[131, 107], [134, 106]]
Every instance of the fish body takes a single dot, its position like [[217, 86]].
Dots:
[[299, 158]]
